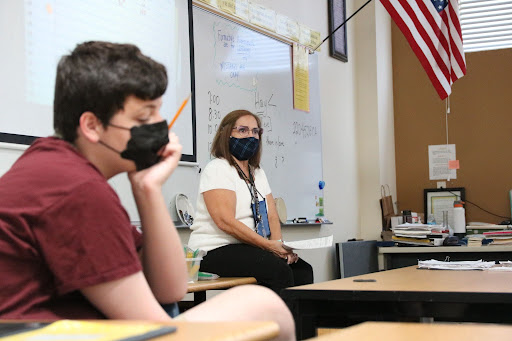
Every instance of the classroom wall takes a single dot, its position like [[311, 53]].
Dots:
[[374, 114], [356, 103], [357, 124], [479, 125]]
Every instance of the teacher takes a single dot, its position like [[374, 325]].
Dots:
[[236, 220]]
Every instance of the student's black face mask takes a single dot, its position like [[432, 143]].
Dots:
[[145, 143]]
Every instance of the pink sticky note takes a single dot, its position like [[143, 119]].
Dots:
[[453, 164]]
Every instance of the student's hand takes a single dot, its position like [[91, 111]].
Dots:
[[156, 175], [276, 247]]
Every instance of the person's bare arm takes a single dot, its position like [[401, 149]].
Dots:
[[221, 205], [163, 258], [275, 227], [127, 298]]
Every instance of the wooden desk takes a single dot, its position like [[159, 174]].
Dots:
[[393, 331], [199, 288], [402, 294], [213, 331], [217, 331], [399, 256]]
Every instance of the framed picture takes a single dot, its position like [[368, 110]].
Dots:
[[338, 41], [437, 200]]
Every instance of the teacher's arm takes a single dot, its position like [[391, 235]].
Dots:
[[221, 205], [275, 227]]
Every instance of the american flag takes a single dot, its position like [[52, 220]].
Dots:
[[432, 29]]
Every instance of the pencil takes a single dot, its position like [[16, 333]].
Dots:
[[179, 111]]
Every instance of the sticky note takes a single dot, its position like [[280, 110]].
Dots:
[[453, 164]]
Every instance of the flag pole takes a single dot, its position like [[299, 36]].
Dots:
[[343, 23]]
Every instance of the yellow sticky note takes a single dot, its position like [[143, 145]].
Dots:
[[228, 6], [453, 164], [300, 78]]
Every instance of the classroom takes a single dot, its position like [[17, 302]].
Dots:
[[378, 113]]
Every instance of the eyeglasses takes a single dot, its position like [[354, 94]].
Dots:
[[244, 131]]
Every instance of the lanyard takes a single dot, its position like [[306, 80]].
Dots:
[[253, 190]]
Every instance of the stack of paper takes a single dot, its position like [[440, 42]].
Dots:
[[503, 237], [475, 239], [462, 265], [419, 234], [478, 228], [315, 243]]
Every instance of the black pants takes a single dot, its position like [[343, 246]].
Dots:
[[243, 260]]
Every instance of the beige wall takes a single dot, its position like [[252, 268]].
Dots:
[[480, 126]]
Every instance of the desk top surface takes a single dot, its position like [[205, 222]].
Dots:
[[411, 279], [218, 331], [220, 283], [394, 331], [440, 249]]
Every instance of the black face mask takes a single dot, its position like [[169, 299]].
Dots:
[[145, 143], [243, 149]]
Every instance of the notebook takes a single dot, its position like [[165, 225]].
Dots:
[[82, 330]]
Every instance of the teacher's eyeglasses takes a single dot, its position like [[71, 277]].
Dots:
[[245, 131]]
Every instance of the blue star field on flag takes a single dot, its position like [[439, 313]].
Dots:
[[439, 4]]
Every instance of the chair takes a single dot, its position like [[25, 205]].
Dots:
[[355, 258]]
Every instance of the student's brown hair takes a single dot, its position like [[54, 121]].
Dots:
[[98, 77], [220, 145]]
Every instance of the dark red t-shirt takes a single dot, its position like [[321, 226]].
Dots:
[[62, 228]]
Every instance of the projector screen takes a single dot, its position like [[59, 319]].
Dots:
[[35, 34]]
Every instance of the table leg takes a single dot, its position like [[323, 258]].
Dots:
[[199, 297]]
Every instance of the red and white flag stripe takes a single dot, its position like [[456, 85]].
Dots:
[[435, 37]]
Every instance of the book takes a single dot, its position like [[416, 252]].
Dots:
[[92, 331], [413, 241], [498, 233]]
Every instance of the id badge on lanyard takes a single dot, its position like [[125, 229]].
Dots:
[[259, 208], [262, 226]]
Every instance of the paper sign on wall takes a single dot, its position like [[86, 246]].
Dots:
[[300, 78], [439, 157]]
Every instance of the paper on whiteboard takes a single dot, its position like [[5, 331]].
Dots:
[[438, 157], [316, 243]]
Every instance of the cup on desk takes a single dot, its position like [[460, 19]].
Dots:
[[193, 265]]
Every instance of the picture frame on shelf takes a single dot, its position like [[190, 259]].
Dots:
[[437, 200], [338, 41]]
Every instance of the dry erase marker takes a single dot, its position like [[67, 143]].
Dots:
[[179, 111]]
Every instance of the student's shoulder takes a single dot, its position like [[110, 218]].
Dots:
[[47, 157]]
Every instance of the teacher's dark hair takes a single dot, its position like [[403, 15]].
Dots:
[[220, 145], [98, 77]]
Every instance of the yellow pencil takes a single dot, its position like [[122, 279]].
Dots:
[[179, 111]]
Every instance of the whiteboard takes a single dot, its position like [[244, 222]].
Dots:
[[238, 68], [36, 33]]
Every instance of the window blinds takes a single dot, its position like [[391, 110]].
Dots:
[[486, 24]]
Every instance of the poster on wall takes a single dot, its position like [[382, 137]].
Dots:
[[439, 157]]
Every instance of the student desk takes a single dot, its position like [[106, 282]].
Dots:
[[219, 331], [402, 294], [393, 331], [212, 331], [401, 256], [199, 288]]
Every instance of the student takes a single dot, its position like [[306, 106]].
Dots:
[[67, 248]]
